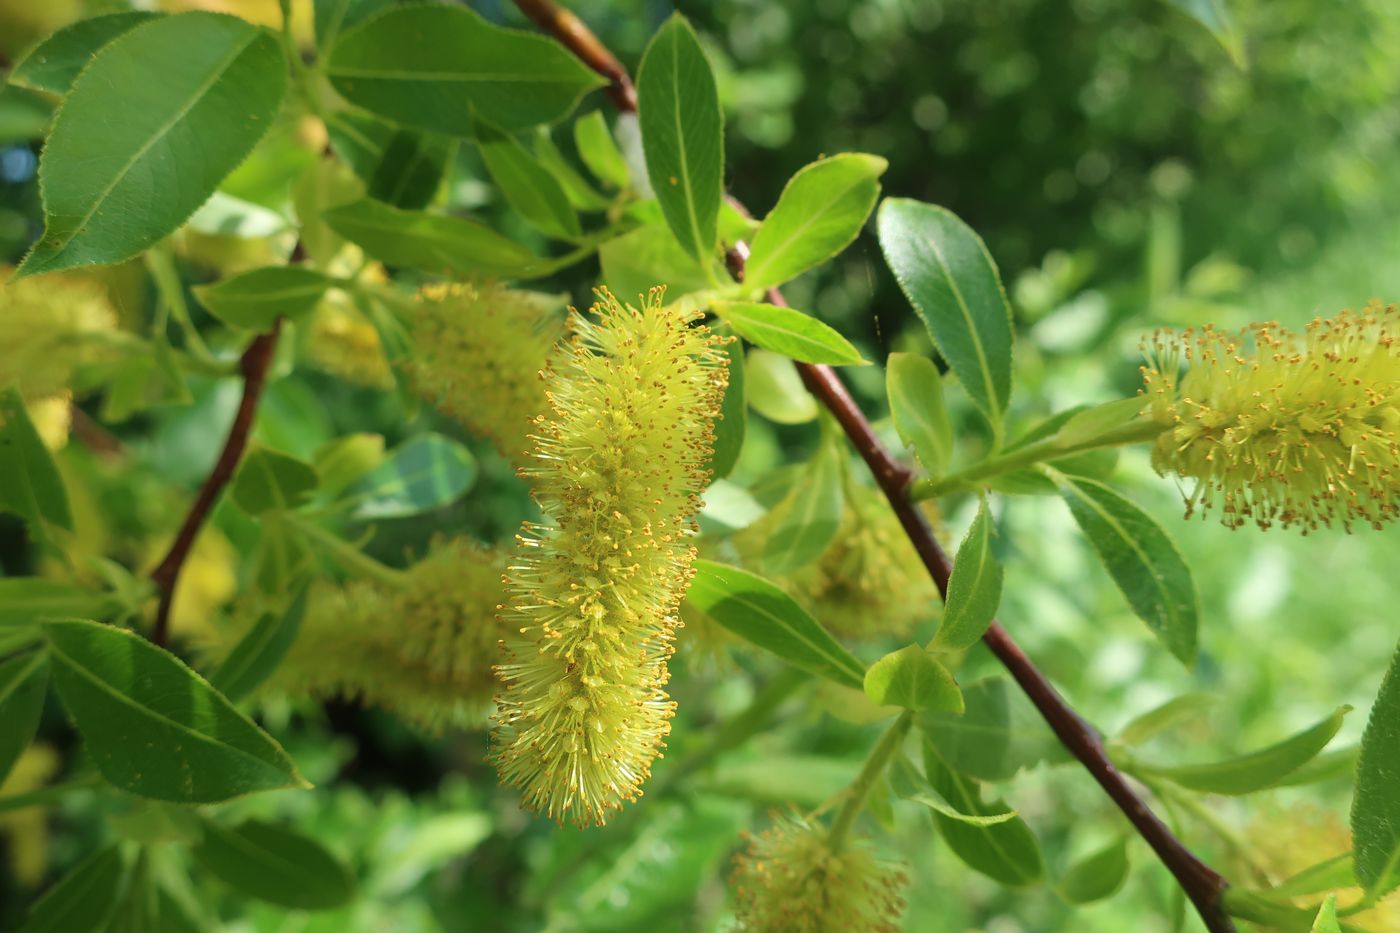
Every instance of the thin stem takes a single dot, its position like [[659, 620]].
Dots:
[[859, 791], [1227, 834], [162, 268], [47, 795], [347, 555]]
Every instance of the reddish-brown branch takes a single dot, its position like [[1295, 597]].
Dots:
[[1204, 886], [253, 365]]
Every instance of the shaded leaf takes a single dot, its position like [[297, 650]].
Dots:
[[400, 167], [998, 734], [913, 679], [1375, 810], [1097, 876], [974, 590], [31, 487], [258, 653], [24, 679], [731, 424], [599, 151], [798, 529], [1167, 716], [526, 184], [254, 300], [432, 242], [275, 864], [915, 389], [84, 899], [269, 481], [25, 600], [776, 391], [789, 332], [908, 784], [54, 64], [421, 474], [1006, 852]]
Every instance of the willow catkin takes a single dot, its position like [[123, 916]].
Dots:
[[618, 466], [1295, 430]]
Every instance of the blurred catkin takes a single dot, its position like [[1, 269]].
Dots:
[[790, 880], [1297, 429], [618, 466], [27, 828], [477, 355]]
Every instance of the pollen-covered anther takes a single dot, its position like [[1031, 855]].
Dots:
[[580, 721], [1305, 434]]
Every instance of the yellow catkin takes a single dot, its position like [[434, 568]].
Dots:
[[1281, 428], [424, 649], [344, 344], [790, 881], [618, 466], [477, 355], [27, 829]]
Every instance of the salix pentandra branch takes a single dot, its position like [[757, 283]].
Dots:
[[1204, 886]]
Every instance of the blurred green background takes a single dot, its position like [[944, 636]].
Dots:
[[1126, 176]]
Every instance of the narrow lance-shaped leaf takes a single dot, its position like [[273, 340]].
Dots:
[[1005, 851], [998, 734], [254, 300], [23, 682], [526, 184], [1096, 876], [974, 590], [432, 242], [154, 727], [819, 213], [802, 526], [399, 166], [599, 151], [789, 332], [434, 66], [26, 600], [754, 609], [84, 899], [733, 420], [952, 282], [1375, 810], [149, 129], [55, 63], [1326, 921], [1257, 770], [258, 653], [682, 135], [275, 864], [913, 679], [907, 783], [1140, 558], [915, 389], [30, 484], [1162, 718]]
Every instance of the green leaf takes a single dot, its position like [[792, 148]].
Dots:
[[434, 67], [819, 213], [1326, 921], [789, 332], [154, 727], [1092, 424], [950, 279], [32, 487], [269, 481], [599, 151], [580, 192], [911, 678], [421, 474], [1215, 16], [1255, 771], [258, 653], [254, 300], [194, 91], [24, 114], [275, 864], [24, 679], [915, 389], [650, 256], [682, 135], [400, 167], [1330, 873], [974, 590], [1375, 810], [1096, 876], [776, 391], [998, 734], [731, 424], [1142, 560], [527, 185], [343, 460], [804, 781], [1006, 852], [432, 242], [908, 784], [1167, 716], [800, 527], [25, 600], [332, 17], [84, 899], [54, 64], [752, 608]]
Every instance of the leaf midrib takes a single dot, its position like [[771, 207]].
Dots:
[[756, 269], [993, 399]]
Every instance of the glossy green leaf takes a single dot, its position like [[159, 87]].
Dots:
[[599, 151], [789, 332], [154, 727], [1375, 810], [275, 864], [1326, 921], [908, 784], [1006, 852], [913, 679], [1097, 876], [54, 64], [819, 213], [149, 129], [84, 899], [974, 590], [731, 424], [754, 609], [1165, 717], [952, 282], [682, 135], [526, 184], [1215, 16], [581, 194], [1255, 771], [650, 256], [254, 300], [433, 67], [23, 681], [31, 487], [798, 529], [1140, 558], [258, 653], [775, 389], [915, 389], [269, 481], [401, 167], [998, 734], [1094, 423], [432, 242], [424, 473], [26, 600]]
